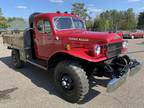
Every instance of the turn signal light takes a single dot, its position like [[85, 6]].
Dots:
[[68, 46]]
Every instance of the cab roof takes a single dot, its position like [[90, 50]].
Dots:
[[51, 15]]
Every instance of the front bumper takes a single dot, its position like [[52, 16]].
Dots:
[[130, 69]]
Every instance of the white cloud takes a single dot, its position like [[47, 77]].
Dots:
[[142, 8], [21, 7], [91, 5], [94, 10], [134, 0], [57, 1]]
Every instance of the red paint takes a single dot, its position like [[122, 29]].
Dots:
[[120, 33], [47, 45], [137, 34]]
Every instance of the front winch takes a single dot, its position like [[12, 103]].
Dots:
[[118, 70]]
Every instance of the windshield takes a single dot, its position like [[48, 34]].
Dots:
[[62, 23]]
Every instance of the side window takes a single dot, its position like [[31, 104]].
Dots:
[[40, 27], [47, 27]]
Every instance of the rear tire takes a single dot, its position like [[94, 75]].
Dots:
[[71, 81], [17, 63]]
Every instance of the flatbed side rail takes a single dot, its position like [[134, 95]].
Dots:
[[16, 41]]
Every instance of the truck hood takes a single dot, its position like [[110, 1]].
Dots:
[[92, 36]]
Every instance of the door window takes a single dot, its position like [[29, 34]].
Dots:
[[47, 27], [40, 27], [44, 26]]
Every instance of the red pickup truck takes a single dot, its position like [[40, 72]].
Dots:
[[61, 42]]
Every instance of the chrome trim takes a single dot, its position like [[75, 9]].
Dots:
[[72, 23]]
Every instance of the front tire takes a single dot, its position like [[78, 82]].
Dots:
[[71, 81], [17, 63]]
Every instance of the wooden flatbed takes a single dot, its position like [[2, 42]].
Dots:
[[14, 40]]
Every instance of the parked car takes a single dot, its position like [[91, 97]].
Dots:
[[134, 35]]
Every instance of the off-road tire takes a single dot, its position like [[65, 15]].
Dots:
[[81, 85], [16, 62]]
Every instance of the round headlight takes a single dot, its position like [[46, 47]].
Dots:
[[125, 44], [97, 49]]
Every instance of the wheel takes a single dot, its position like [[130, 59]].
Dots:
[[71, 81], [17, 63]]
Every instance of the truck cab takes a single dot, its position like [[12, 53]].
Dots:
[[66, 33], [51, 32]]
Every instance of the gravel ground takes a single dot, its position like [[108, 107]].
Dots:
[[32, 87]]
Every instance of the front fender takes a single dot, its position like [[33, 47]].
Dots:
[[83, 54]]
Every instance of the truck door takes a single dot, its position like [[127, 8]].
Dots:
[[44, 38]]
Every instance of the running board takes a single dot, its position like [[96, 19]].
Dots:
[[37, 65]]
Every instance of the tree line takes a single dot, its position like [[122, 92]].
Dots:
[[109, 20], [114, 20], [12, 22]]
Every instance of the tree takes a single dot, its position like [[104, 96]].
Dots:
[[97, 24], [107, 21], [0, 12], [101, 24], [131, 19], [80, 10], [140, 24], [89, 24], [3, 21], [15, 18], [114, 20], [17, 23]]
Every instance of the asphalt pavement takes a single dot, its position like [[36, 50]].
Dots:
[[32, 87]]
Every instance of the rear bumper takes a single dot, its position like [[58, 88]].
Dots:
[[129, 70]]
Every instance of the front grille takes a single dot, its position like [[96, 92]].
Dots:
[[114, 49]]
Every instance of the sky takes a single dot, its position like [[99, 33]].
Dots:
[[23, 8]]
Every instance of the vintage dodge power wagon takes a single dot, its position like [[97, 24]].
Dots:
[[60, 41]]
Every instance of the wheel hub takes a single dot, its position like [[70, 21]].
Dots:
[[66, 82]]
